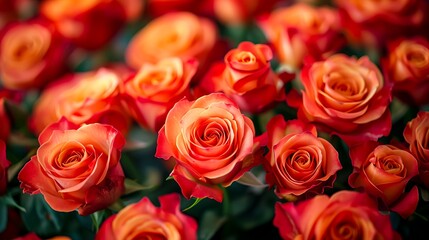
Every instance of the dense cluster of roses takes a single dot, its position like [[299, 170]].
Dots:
[[204, 96]]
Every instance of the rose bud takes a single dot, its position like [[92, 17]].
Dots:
[[88, 24], [300, 30], [246, 77], [347, 97], [142, 220], [236, 12], [416, 134], [178, 34], [407, 67], [4, 164], [298, 162], [383, 171], [344, 215], [154, 89], [76, 167], [31, 54], [86, 97], [372, 23], [211, 142]]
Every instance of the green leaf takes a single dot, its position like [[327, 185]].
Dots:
[[3, 216], [210, 224], [249, 179], [9, 201], [97, 218], [40, 217], [197, 200], [132, 186]]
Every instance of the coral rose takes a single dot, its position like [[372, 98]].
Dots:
[[346, 97], [153, 91], [87, 97], [241, 11], [142, 220], [211, 141], [4, 164], [298, 162], [178, 34], [89, 24], [416, 133], [300, 31], [383, 171], [345, 215], [407, 67], [246, 77], [375, 22], [76, 167], [31, 54]]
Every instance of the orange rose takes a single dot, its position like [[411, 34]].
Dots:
[[153, 91], [375, 22], [246, 77], [407, 67], [178, 34], [31, 54], [416, 134], [302, 30], [345, 215], [346, 97], [240, 11], [298, 162], [211, 141], [143, 220], [4, 164], [383, 171], [76, 167], [82, 98], [88, 24]]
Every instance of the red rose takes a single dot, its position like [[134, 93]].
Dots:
[[246, 77], [416, 134], [31, 54], [345, 215], [89, 24], [301, 30], [407, 67], [76, 167], [383, 171], [211, 141], [143, 220], [4, 164], [298, 162], [86, 97], [346, 97], [154, 89]]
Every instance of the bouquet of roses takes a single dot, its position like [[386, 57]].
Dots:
[[214, 119]]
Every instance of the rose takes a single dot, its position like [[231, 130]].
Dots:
[[383, 171], [211, 141], [246, 77], [87, 97], [4, 164], [298, 162], [235, 12], [375, 22], [145, 221], [178, 34], [301, 30], [344, 215], [416, 134], [88, 24], [31, 54], [407, 67], [76, 167], [153, 91], [157, 8], [346, 97]]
